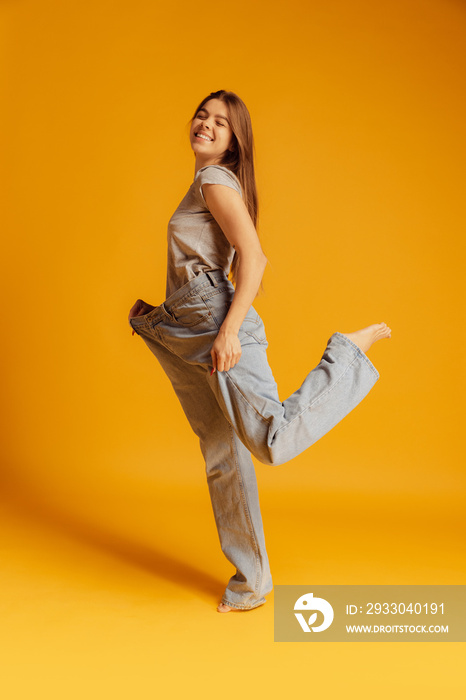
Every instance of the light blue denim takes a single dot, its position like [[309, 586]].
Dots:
[[238, 412]]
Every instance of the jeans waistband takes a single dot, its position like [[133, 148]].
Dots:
[[212, 278]]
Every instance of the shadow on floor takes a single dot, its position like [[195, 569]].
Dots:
[[34, 509]]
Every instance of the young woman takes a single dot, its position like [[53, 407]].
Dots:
[[211, 343]]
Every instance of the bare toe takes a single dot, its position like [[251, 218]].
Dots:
[[223, 608]]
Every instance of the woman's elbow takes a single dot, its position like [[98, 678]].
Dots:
[[255, 256], [263, 260], [258, 259]]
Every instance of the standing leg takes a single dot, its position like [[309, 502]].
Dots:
[[230, 474]]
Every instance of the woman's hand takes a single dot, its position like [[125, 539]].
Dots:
[[139, 309], [226, 351]]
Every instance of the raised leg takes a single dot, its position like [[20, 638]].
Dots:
[[276, 431]]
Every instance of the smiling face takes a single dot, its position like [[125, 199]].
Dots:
[[211, 134]]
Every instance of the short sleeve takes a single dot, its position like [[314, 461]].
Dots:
[[215, 175]]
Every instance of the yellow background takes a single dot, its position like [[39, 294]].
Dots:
[[111, 567]]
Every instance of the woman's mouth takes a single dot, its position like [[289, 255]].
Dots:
[[203, 137]]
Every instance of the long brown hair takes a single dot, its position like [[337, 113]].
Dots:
[[241, 160]]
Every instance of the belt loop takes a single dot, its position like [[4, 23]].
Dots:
[[212, 278]]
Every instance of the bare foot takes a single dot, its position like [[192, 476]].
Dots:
[[223, 608], [366, 336]]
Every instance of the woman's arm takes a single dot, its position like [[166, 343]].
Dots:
[[231, 214]]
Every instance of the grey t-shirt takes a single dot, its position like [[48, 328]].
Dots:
[[196, 243]]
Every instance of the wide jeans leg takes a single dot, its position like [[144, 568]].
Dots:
[[274, 431], [231, 479], [277, 431]]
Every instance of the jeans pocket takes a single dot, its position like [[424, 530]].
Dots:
[[252, 329], [189, 313]]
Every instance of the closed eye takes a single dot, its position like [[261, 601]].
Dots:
[[203, 115]]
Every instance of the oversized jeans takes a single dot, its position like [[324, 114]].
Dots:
[[238, 412]]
